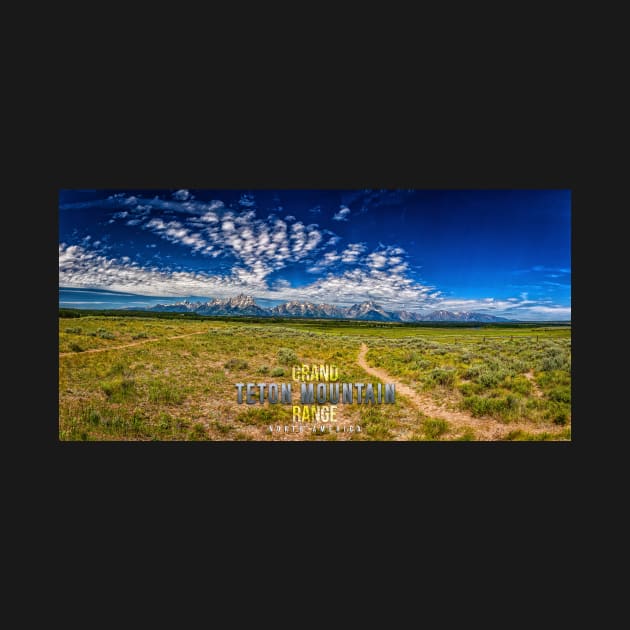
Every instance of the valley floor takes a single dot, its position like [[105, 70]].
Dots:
[[136, 378]]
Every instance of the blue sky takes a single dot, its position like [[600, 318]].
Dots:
[[501, 252]]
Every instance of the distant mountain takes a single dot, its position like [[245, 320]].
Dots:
[[239, 305], [308, 309], [178, 307], [449, 316], [368, 310], [244, 305]]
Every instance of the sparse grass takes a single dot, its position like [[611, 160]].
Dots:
[[468, 435], [197, 432], [376, 426], [505, 408], [263, 416], [222, 428], [544, 436], [236, 364], [434, 428], [286, 356], [183, 389], [166, 393], [119, 389]]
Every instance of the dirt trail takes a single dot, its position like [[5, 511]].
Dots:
[[129, 345], [484, 428], [537, 391]]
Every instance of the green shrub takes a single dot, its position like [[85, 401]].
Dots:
[[140, 335], [489, 378], [468, 389], [560, 394], [445, 378], [519, 384], [423, 364], [75, 347], [556, 359], [73, 331], [286, 356], [480, 406], [277, 371]]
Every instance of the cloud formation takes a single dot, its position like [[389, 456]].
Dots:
[[243, 252], [342, 215]]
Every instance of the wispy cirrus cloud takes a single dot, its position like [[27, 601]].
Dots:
[[136, 205], [542, 268]]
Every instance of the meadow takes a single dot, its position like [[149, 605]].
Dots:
[[135, 377]]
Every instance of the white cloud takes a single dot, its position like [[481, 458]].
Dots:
[[280, 284], [557, 312], [342, 215], [247, 201], [255, 248], [352, 252], [259, 245], [175, 232], [83, 268], [376, 260]]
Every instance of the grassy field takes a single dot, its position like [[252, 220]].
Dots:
[[172, 378]]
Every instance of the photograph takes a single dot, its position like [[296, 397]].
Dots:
[[314, 316]]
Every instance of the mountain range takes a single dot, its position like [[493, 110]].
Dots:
[[244, 305]]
